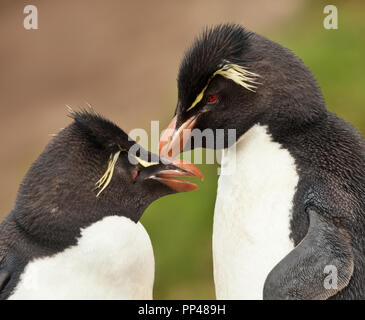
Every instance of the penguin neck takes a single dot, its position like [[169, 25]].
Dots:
[[283, 121], [45, 233], [43, 229]]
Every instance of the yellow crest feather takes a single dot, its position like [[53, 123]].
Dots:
[[144, 163], [234, 72], [107, 176]]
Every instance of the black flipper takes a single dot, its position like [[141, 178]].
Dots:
[[4, 279], [307, 272]]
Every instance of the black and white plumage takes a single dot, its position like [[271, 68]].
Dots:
[[292, 200], [65, 239]]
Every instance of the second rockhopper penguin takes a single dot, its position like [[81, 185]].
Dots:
[[290, 208]]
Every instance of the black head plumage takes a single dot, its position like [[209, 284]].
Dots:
[[100, 131], [85, 174], [262, 82], [211, 50]]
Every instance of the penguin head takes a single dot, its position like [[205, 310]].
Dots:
[[87, 172], [231, 78]]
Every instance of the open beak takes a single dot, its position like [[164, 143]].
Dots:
[[169, 175], [173, 140]]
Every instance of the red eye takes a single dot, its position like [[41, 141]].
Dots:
[[212, 98]]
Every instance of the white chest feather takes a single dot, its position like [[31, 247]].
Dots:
[[112, 260], [252, 215]]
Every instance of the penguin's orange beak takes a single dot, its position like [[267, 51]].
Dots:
[[169, 173], [170, 177], [173, 140]]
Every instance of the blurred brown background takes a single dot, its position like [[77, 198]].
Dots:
[[122, 57]]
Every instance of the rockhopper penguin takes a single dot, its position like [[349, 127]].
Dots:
[[289, 222], [74, 230]]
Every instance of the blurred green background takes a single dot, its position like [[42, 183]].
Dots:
[[122, 57]]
